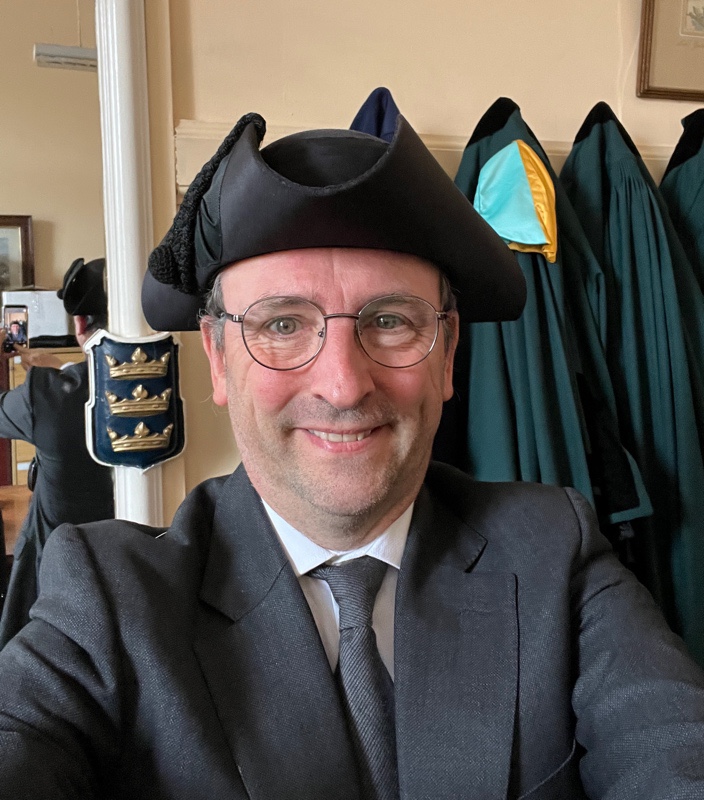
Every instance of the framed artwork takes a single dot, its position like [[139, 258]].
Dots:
[[671, 59], [16, 252]]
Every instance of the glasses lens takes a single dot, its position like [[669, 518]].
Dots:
[[398, 331], [283, 332]]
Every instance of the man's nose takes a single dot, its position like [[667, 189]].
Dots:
[[342, 372]]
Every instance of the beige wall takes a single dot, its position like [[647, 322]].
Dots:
[[313, 62], [50, 158]]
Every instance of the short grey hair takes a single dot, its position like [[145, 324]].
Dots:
[[213, 322], [211, 318]]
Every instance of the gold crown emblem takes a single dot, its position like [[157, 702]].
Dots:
[[139, 366], [142, 440], [142, 406]]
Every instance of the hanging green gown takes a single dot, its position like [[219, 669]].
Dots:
[[538, 398], [653, 358], [682, 187]]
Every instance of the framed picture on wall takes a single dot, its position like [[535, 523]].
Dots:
[[671, 59], [16, 252]]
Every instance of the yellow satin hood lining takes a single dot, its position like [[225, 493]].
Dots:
[[543, 192]]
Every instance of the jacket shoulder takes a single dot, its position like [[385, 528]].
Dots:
[[469, 498], [139, 580], [127, 552], [519, 519]]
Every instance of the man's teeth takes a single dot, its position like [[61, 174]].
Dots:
[[341, 437]]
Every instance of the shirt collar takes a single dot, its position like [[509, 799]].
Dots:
[[306, 555]]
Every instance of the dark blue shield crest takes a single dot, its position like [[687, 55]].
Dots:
[[134, 417]]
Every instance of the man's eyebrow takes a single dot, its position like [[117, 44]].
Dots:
[[282, 296], [317, 301], [270, 295], [315, 298]]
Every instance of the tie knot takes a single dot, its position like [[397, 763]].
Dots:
[[354, 585]]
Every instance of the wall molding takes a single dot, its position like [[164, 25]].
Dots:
[[195, 142]]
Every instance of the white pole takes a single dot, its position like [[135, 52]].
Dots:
[[124, 120]]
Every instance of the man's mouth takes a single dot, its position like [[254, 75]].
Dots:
[[328, 436]]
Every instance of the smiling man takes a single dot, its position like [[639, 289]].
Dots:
[[340, 618], [338, 435]]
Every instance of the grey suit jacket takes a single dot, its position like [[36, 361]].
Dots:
[[528, 662]]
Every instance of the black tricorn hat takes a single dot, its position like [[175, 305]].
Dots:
[[326, 188], [83, 291]]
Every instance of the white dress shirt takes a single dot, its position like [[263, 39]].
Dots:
[[305, 555]]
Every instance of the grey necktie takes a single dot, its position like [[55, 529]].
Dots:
[[367, 690]]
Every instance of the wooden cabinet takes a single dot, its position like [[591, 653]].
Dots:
[[21, 452]]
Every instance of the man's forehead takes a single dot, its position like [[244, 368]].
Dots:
[[334, 278], [324, 263]]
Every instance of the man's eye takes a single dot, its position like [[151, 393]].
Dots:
[[283, 326], [387, 322]]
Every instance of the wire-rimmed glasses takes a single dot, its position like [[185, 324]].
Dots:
[[284, 333]]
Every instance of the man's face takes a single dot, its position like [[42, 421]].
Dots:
[[288, 425]]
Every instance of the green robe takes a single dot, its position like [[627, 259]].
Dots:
[[654, 358], [682, 187], [539, 401]]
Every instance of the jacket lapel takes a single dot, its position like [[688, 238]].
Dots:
[[456, 662], [264, 663]]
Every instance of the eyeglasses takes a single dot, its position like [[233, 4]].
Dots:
[[285, 333]]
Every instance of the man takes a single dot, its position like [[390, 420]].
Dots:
[[48, 410], [14, 336], [206, 661]]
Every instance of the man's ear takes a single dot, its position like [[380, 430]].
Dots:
[[218, 368], [451, 329], [81, 325]]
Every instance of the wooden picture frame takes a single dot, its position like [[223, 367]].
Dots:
[[16, 252], [671, 58]]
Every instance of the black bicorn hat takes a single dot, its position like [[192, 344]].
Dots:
[[326, 188], [83, 290]]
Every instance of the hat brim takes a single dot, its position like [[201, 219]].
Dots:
[[342, 188], [167, 309]]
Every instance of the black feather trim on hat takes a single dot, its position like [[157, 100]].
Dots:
[[173, 261]]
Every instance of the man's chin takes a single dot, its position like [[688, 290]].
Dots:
[[351, 499]]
